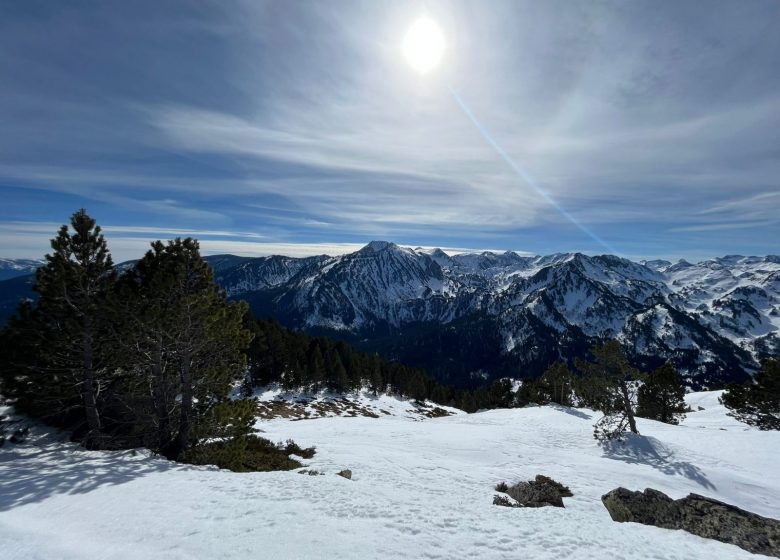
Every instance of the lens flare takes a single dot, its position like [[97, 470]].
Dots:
[[525, 176]]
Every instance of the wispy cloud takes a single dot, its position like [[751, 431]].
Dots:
[[301, 124]]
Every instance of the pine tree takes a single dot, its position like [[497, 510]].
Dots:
[[68, 367], [618, 399], [558, 382], [189, 342], [376, 381], [662, 396], [501, 395], [316, 369], [468, 403], [757, 403], [531, 392]]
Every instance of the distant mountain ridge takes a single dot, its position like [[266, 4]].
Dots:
[[12, 268], [481, 315], [714, 319]]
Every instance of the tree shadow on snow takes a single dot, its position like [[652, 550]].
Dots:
[[569, 410], [646, 450], [33, 475]]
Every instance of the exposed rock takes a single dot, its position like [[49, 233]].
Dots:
[[699, 515], [499, 500], [346, 473], [535, 494], [543, 491]]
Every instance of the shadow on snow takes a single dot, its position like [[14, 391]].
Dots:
[[646, 450], [29, 476], [570, 410]]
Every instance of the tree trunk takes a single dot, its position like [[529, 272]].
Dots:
[[94, 439], [627, 407], [185, 422], [160, 395]]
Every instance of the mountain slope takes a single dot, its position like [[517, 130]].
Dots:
[[713, 319], [13, 268]]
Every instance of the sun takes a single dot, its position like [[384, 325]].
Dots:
[[423, 45]]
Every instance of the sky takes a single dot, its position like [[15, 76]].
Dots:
[[649, 129]]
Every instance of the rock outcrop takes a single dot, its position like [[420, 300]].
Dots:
[[699, 515], [543, 491]]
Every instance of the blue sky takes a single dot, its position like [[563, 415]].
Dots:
[[298, 127]]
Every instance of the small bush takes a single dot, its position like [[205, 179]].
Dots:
[[292, 448], [311, 472], [250, 454], [562, 490], [502, 487]]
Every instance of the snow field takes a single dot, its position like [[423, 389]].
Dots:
[[420, 489]]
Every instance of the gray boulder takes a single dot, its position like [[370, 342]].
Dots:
[[535, 494], [346, 473], [699, 515]]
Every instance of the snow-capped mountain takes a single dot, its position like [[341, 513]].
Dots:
[[11, 268], [714, 319], [478, 315]]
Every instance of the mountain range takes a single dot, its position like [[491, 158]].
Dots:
[[472, 317]]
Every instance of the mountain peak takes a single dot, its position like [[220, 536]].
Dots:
[[377, 246]]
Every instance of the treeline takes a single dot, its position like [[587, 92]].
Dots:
[[299, 361], [607, 383], [757, 402]]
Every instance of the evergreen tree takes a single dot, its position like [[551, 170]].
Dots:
[[188, 342], [661, 396], [558, 383], [501, 393], [60, 369], [24, 377], [531, 392], [316, 370], [467, 402], [618, 399], [757, 403], [376, 381]]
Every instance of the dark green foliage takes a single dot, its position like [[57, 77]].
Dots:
[[562, 490], [256, 454], [661, 396], [531, 392], [56, 354], [183, 349], [149, 359], [501, 394], [592, 391], [502, 487], [299, 361], [557, 383], [611, 390], [467, 403], [757, 403], [292, 448]]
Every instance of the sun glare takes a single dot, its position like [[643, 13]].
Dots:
[[423, 45]]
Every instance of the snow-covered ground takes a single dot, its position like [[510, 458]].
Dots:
[[274, 402], [420, 489]]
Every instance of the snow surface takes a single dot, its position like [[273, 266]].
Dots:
[[420, 489]]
